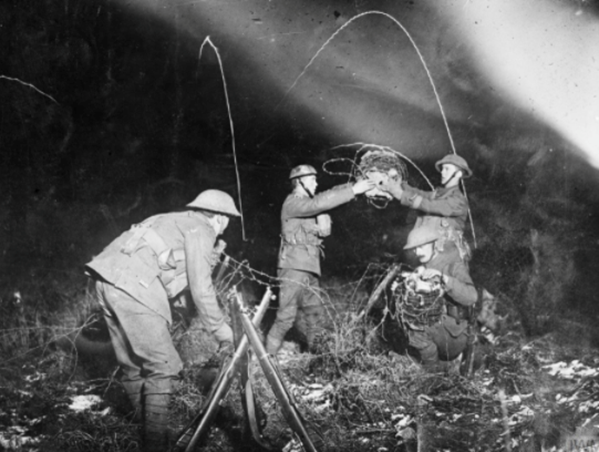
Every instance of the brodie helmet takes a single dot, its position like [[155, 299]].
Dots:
[[216, 201], [456, 160], [421, 236], [302, 170]]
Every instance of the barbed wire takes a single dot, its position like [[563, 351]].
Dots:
[[356, 169], [364, 147], [242, 271]]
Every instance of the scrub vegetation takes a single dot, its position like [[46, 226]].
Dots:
[[536, 390]]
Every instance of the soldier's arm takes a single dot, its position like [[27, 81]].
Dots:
[[198, 254], [405, 193], [452, 206], [459, 285], [300, 207]]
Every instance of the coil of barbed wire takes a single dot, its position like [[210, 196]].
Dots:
[[382, 164]]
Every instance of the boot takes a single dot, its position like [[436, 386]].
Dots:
[[439, 367], [134, 392], [155, 438], [429, 356], [157, 397]]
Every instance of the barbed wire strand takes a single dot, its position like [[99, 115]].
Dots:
[[208, 41], [29, 85], [388, 149]]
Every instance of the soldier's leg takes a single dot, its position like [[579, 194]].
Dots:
[[157, 397], [449, 345], [312, 308], [291, 286], [132, 381], [152, 350], [425, 348]]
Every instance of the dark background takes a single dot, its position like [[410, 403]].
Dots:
[[109, 115]]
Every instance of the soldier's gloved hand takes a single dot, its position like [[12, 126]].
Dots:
[[224, 352], [418, 270], [226, 349], [362, 186], [393, 186], [219, 248], [434, 276]]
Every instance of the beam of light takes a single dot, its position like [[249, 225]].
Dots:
[[369, 84], [541, 54]]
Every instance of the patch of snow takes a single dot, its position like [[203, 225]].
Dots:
[[570, 371], [13, 439], [84, 402]]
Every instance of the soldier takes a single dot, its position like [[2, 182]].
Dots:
[[446, 207], [136, 275], [436, 303], [304, 225]]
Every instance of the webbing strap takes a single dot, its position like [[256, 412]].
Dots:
[[166, 256], [139, 231]]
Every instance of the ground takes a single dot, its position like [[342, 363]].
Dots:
[[533, 394]]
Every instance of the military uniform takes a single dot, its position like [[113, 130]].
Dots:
[[445, 208], [299, 262], [446, 337], [135, 276]]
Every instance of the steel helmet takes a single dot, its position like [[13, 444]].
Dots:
[[421, 236], [216, 201], [456, 160], [302, 170]]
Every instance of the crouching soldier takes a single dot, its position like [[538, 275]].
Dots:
[[435, 300], [304, 224], [136, 275]]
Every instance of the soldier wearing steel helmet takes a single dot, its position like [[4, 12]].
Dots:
[[440, 334], [136, 275], [304, 224], [445, 208]]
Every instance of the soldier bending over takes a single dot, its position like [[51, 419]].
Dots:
[[136, 275]]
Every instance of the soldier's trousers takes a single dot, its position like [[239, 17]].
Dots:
[[298, 292], [438, 342], [147, 356]]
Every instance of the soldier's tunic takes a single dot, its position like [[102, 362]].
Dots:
[[444, 208], [135, 277], [299, 262], [446, 338]]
